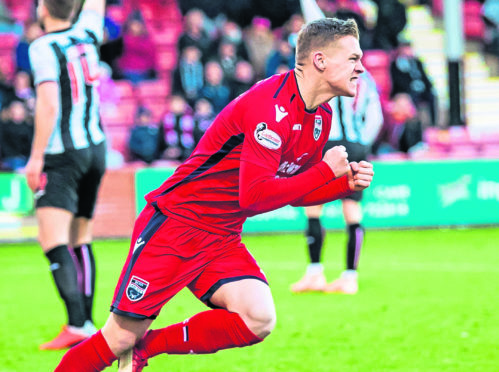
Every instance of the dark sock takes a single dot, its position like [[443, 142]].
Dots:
[[355, 240], [65, 276], [315, 238], [86, 261]]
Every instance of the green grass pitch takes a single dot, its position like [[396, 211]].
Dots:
[[428, 301]]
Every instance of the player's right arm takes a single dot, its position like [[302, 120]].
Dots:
[[98, 6], [259, 189], [46, 75], [46, 109]]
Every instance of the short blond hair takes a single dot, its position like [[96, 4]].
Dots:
[[321, 33]]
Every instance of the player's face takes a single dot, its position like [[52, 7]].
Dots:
[[343, 66]]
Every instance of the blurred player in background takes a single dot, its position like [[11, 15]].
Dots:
[[263, 151], [67, 158], [356, 122]]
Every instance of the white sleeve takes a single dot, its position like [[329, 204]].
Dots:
[[43, 62], [374, 113], [311, 11], [91, 21]]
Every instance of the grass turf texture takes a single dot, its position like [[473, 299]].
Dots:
[[427, 302]]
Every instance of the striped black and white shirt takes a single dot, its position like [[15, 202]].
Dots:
[[357, 119], [70, 57]]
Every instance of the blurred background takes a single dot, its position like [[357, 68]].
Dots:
[[168, 68]]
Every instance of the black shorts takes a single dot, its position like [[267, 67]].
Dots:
[[73, 180], [356, 152]]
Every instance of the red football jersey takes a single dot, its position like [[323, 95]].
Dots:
[[239, 167]]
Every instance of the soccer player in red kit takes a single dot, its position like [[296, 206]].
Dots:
[[263, 151]]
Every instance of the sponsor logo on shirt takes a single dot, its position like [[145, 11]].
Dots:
[[136, 288], [317, 127], [280, 113], [138, 243], [266, 137], [291, 168], [297, 127]]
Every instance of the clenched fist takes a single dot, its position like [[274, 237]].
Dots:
[[360, 175], [337, 159]]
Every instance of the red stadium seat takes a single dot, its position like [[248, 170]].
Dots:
[[157, 89], [377, 62], [122, 116], [9, 42], [116, 13], [165, 33], [167, 58], [474, 27], [124, 89], [118, 137], [490, 151]]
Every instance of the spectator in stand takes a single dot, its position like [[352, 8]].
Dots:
[[284, 54], [227, 58], [6, 91], [408, 76], [346, 9], [16, 134], [490, 12], [138, 61], [231, 32], [31, 32], [244, 79], [188, 76], [194, 34], [144, 138], [23, 90], [392, 19], [215, 89], [203, 117], [7, 23], [260, 43], [177, 129], [401, 128]]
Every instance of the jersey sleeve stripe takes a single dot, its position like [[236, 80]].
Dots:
[[92, 36], [65, 95], [213, 160]]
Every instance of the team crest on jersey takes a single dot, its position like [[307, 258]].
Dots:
[[317, 127], [266, 137], [136, 288]]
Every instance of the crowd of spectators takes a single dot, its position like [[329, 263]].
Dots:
[[218, 59]]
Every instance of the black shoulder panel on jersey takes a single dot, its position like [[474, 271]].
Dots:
[[213, 160], [282, 85]]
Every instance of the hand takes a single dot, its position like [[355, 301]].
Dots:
[[33, 172], [337, 159], [360, 175]]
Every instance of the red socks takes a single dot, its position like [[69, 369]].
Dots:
[[204, 333], [91, 355]]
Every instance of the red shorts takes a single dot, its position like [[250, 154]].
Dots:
[[167, 255]]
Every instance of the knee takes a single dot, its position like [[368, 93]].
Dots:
[[120, 339], [260, 321]]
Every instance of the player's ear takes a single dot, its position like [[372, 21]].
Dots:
[[319, 60]]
